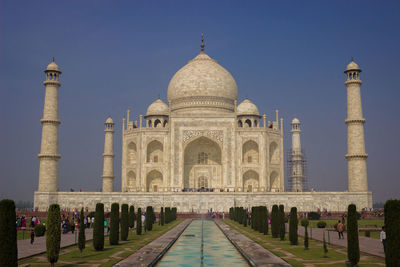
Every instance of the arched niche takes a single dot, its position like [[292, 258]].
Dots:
[[250, 153], [202, 164], [274, 181], [250, 181], [131, 179], [132, 153], [157, 123], [155, 152], [247, 123], [154, 181], [274, 153]]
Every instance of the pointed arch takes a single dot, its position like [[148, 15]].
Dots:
[[155, 151], [250, 181], [132, 153], [274, 181], [273, 153], [131, 179], [250, 153], [154, 181]]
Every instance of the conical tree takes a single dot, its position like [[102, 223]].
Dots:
[[114, 224], [98, 230], [392, 228], [275, 221], [81, 235], [124, 222], [162, 216], [325, 247], [139, 222], [8, 234], [353, 249], [282, 229], [266, 221], [293, 222], [131, 217], [53, 233], [244, 218], [305, 237]]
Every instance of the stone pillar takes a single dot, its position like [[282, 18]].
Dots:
[[48, 169], [356, 156], [108, 155]]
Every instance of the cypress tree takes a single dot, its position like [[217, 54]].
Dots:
[[275, 221], [81, 235], [114, 224], [8, 234], [353, 249], [244, 218], [325, 247], [293, 222], [252, 218], [148, 221], [162, 216], [266, 221], [98, 230], [124, 222], [131, 217], [305, 237], [53, 234], [282, 229], [392, 228], [261, 219], [167, 215], [139, 222]]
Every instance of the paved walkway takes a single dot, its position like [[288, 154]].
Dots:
[[367, 245], [252, 251], [25, 249], [151, 253]]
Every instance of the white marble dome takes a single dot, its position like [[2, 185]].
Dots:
[[158, 107], [295, 121], [352, 66], [53, 67], [247, 108], [109, 121], [202, 83]]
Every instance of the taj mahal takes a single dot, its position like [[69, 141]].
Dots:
[[203, 149]]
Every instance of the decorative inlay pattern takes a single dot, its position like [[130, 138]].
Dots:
[[214, 134]]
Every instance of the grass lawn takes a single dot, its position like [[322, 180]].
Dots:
[[298, 256], [376, 223], [375, 235], [71, 256]]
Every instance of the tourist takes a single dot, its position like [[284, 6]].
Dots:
[[92, 221], [85, 222], [32, 236], [383, 238], [340, 229]]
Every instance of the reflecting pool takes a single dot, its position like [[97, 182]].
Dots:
[[202, 244]]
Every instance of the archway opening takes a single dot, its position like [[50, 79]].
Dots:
[[250, 181], [155, 152], [154, 181]]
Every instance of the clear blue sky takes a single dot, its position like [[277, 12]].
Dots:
[[116, 55]]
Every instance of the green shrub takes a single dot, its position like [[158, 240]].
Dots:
[[81, 235], [325, 247], [265, 218], [98, 229], [353, 249], [321, 224], [114, 224], [131, 217], [8, 234], [304, 222], [392, 228], [367, 233], [244, 218], [305, 237], [293, 222], [313, 216], [40, 230], [139, 222], [275, 221], [124, 222], [53, 235], [282, 229]]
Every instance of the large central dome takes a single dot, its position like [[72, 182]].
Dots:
[[202, 85]]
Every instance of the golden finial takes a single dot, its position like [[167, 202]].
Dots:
[[352, 58], [158, 95], [202, 42], [53, 59]]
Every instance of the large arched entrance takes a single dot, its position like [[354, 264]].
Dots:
[[202, 165], [154, 181]]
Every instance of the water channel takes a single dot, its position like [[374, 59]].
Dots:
[[202, 244]]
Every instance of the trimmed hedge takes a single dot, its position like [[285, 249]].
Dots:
[[98, 229], [53, 236], [40, 230], [282, 229], [81, 235], [162, 216], [131, 217], [114, 224], [353, 249], [8, 234], [392, 228], [313, 216], [321, 224], [139, 222], [275, 221]]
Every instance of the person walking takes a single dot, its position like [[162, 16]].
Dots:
[[32, 236], [383, 238], [340, 229]]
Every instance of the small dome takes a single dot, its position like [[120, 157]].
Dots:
[[158, 107], [295, 121], [352, 66], [52, 67], [247, 108], [109, 121]]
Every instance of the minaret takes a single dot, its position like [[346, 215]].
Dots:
[[48, 169], [356, 156], [296, 174], [108, 155]]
